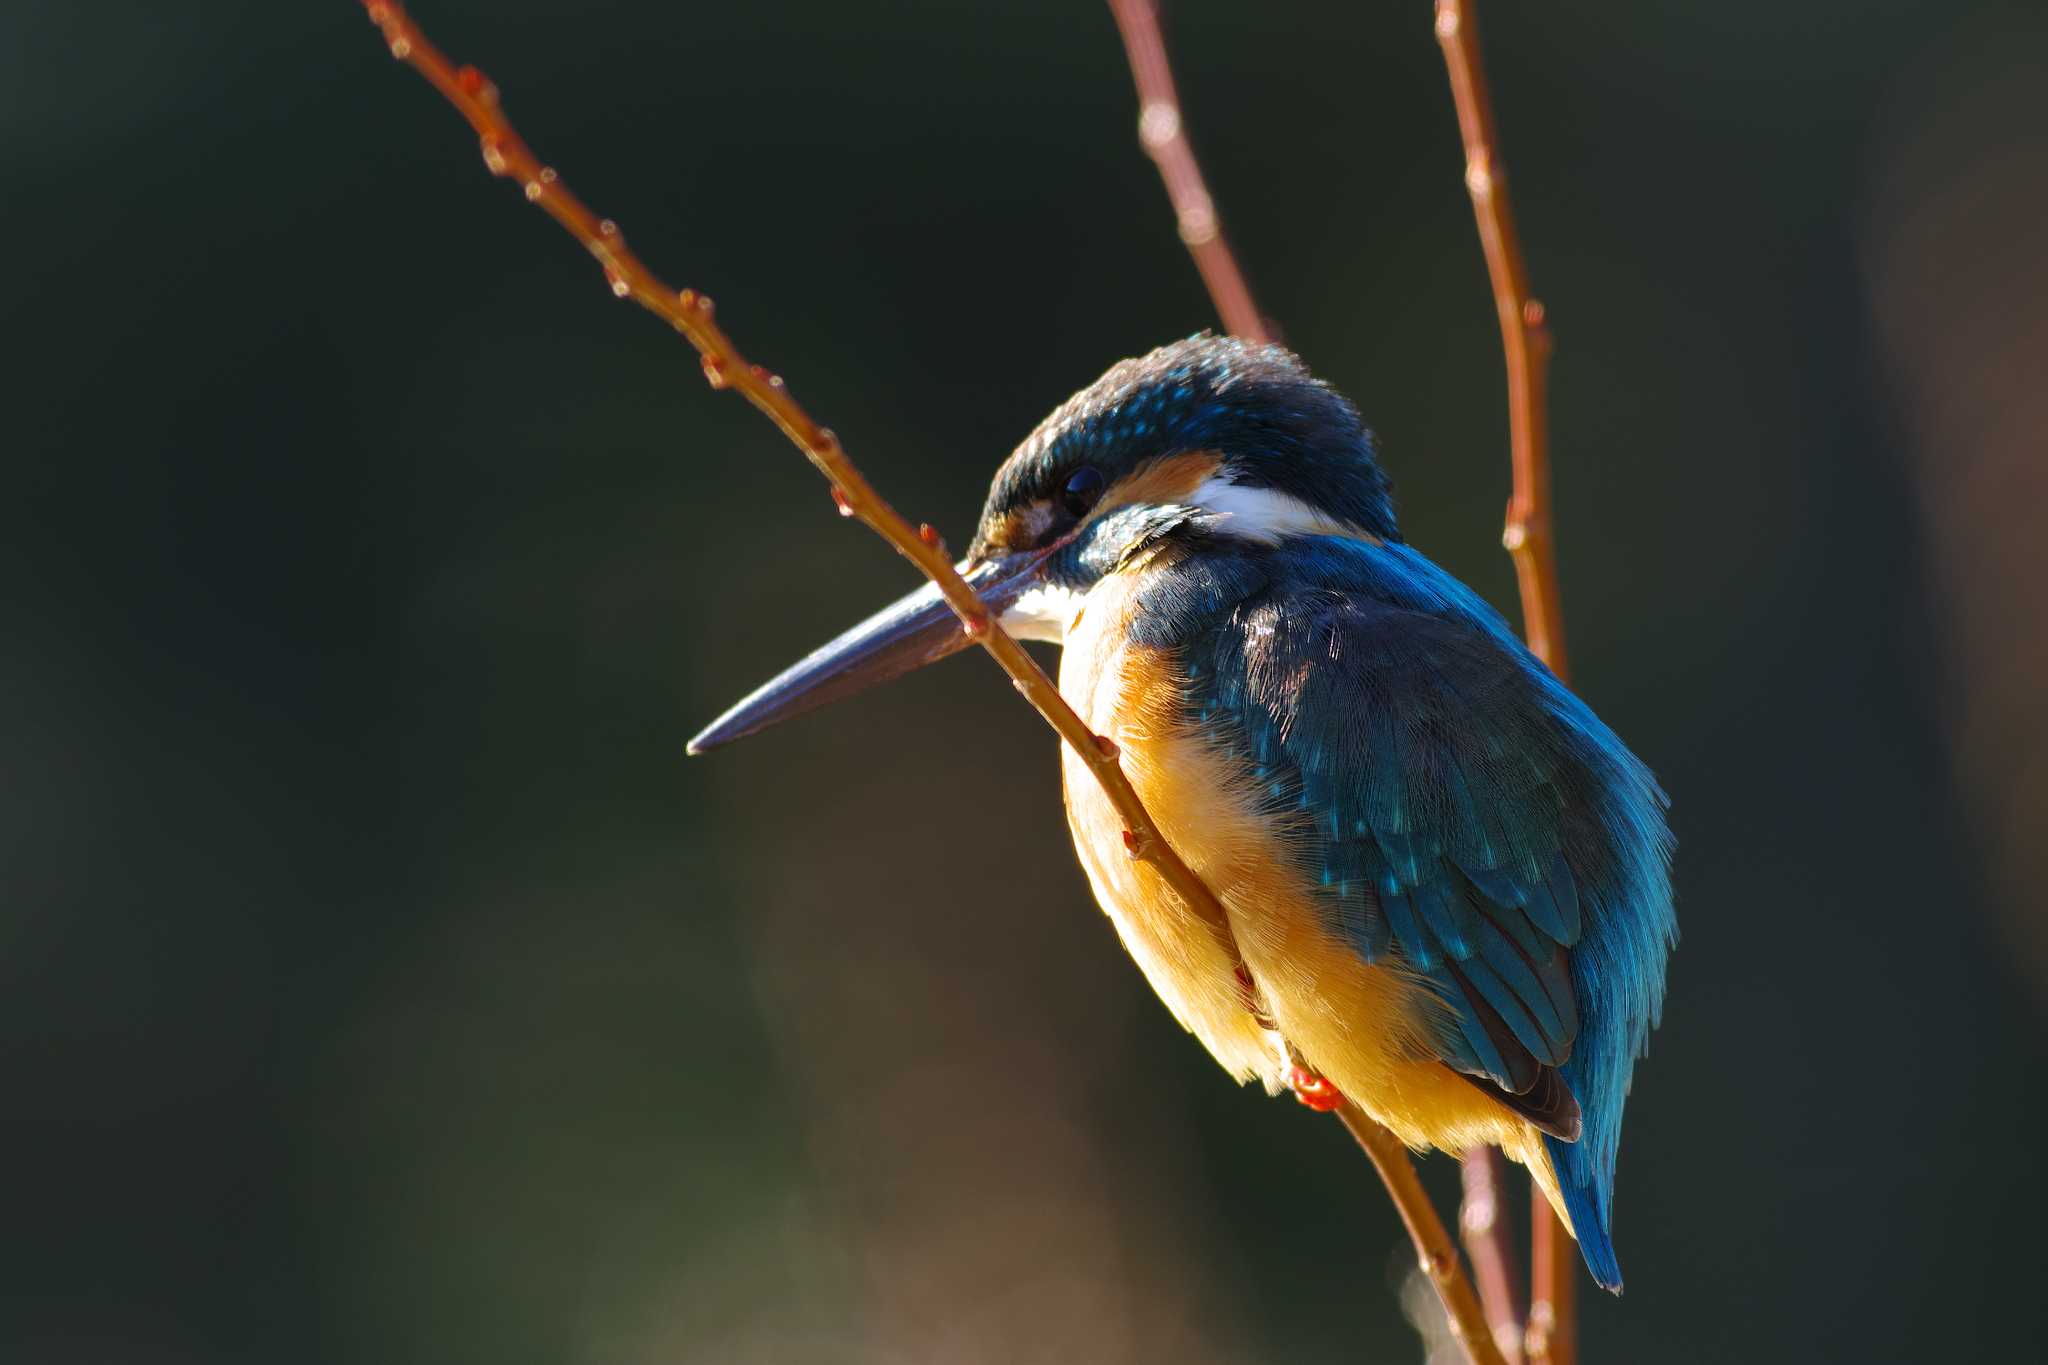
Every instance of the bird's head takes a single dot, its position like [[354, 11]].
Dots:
[[1207, 438]]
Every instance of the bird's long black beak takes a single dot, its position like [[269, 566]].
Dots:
[[919, 629]]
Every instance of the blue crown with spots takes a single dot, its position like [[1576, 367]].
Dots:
[[1275, 425]]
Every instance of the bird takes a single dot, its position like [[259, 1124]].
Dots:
[[1450, 881]]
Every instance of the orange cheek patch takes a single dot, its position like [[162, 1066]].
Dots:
[[1021, 527], [1169, 480]]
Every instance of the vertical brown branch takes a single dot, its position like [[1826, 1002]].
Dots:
[[1163, 133], [1524, 335], [1484, 1233], [1552, 1335], [690, 313]]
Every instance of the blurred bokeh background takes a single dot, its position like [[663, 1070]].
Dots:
[[382, 984]]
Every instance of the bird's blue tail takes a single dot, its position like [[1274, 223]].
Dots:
[[1585, 1199], [1618, 976]]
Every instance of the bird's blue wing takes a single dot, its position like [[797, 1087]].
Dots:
[[1470, 818]]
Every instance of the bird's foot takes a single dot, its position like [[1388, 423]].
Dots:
[[1313, 1090]]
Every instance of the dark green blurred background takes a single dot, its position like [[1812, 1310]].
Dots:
[[382, 984]]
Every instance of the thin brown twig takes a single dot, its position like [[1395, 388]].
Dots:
[[690, 313], [1163, 133], [1484, 1232], [1524, 335], [1433, 1245], [1552, 1335]]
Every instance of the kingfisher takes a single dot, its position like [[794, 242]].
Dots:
[[1448, 879]]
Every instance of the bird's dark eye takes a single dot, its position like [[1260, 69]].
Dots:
[[1084, 486]]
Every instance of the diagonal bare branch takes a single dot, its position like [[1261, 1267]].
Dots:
[[505, 153], [1433, 1245], [1164, 135]]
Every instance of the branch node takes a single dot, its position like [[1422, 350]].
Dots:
[[1537, 1338], [1108, 747], [839, 501], [715, 376], [1158, 124]]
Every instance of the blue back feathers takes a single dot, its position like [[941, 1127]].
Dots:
[[1471, 818]]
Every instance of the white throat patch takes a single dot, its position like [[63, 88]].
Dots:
[[1266, 514], [1044, 613]]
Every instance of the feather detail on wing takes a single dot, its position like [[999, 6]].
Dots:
[[1449, 790]]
